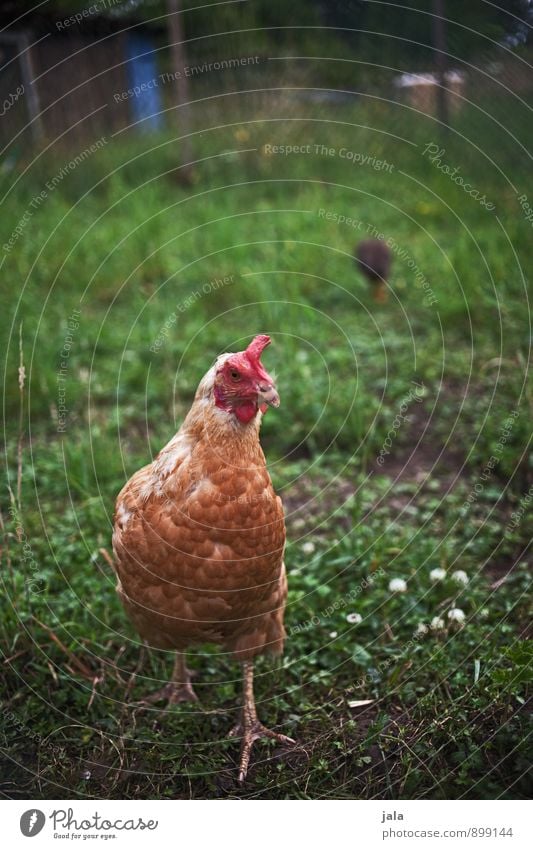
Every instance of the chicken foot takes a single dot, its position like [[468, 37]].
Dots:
[[249, 729], [178, 689]]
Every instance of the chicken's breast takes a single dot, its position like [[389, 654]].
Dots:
[[198, 545]]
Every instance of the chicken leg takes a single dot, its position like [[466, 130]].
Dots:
[[379, 292], [249, 728], [178, 689]]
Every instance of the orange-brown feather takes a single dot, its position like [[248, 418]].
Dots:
[[199, 537]]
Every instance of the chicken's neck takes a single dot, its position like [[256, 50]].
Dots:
[[236, 441]]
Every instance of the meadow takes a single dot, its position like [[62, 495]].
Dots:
[[400, 450]]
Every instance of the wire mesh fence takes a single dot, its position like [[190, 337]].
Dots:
[[70, 80]]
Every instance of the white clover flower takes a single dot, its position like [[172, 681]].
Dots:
[[397, 585], [421, 629], [298, 523], [484, 613], [437, 575], [332, 634], [308, 547], [437, 624], [460, 577], [457, 615], [354, 618]]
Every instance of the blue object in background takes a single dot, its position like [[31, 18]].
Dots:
[[143, 77]]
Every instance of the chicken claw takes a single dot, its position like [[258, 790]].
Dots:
[[171, 693], [249, 729], [178, 689], [249, 736]]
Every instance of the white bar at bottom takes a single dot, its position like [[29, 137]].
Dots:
[[265, 824]]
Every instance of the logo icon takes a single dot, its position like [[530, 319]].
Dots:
[[32, 822]]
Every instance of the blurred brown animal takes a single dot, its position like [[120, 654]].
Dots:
[[374, 258]]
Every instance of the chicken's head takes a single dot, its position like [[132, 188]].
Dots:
[[242, 386]]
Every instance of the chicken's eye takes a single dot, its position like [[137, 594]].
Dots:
[[234, 374]]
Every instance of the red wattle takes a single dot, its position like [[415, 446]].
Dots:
[[246, 411]]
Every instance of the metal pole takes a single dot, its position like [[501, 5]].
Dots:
[[22, 41], [175, 30], [441, 60]]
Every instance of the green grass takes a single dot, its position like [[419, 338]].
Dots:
[[124, 243]]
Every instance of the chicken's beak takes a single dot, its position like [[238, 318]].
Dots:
[[267, 394]]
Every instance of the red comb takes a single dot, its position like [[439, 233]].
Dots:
[[256, 348]]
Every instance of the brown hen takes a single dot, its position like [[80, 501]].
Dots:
[[199, 536], [373, 258]]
